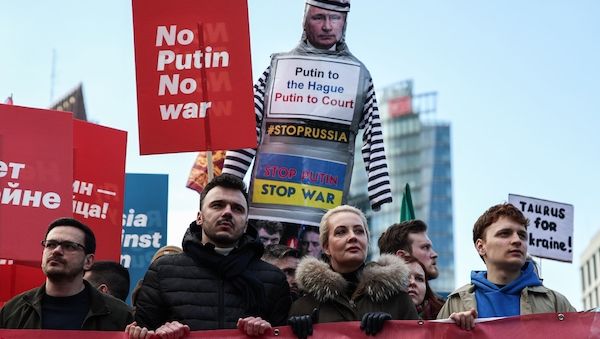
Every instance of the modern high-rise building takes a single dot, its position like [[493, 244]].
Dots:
[[590, 281], [418, 153]]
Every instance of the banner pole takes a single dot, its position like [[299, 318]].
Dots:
[[211, 170], [204, 97]]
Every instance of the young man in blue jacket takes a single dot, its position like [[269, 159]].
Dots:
[[510, 286]]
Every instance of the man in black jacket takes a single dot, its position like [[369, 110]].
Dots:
[[219, 281]]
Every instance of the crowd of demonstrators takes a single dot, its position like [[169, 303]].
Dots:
[[345, 288], [269, 232], [219, 281], [410, 239], [286, 259], [109, 277], [510, 286], [66, 301]]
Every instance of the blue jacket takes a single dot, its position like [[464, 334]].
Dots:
[[495, 301]]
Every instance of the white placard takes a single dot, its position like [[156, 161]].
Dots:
[[550, 230], [315, 89]]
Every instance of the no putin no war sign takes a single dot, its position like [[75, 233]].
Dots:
[[193, 75]]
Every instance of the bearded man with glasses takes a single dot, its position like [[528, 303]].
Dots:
[[66, 301]]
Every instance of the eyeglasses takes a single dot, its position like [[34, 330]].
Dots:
[[68, 246]]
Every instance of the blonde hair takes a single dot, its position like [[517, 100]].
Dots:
[[324, 226]]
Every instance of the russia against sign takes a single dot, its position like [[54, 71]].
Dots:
[[194, 78]]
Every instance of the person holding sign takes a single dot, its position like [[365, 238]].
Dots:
[[219, 281], [310, 104], [66, 301], [510, 286]]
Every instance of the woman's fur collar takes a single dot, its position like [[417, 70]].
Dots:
[[379, 280]]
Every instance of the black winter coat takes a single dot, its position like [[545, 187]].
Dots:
[[184, 287]]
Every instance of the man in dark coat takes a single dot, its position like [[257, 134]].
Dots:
[[219, 280], [66, 301]]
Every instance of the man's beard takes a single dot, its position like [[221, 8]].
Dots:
[[221, 239], [64, 274], [433, 273]]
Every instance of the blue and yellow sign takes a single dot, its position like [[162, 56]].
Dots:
[[298, 181]]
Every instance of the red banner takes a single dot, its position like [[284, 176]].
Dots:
[[537, 326], [36, 171], [98, 184], [17, 278], [194, 77]]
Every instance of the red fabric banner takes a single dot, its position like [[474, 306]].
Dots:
[[36, 171], [193, 75], [98, 184], [17, 278], [536, 326]]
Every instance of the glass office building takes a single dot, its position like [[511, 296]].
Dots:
[[418, 153]]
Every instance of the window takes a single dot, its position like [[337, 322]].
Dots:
[[589, 275], [595, 269]]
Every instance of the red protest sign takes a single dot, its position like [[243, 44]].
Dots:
[[194, 77], [98, 181], [18, 278], [36, 171]]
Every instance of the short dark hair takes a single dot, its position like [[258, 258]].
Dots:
[[89, 239], [307, 228], [271, 227], [113, 274], [278, 251], [396, 236], [493, 214], [225, 180]]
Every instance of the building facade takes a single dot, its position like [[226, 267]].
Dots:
[[418, 153], [590, 283]]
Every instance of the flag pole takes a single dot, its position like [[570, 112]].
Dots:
[[203, 81], [407, 211]]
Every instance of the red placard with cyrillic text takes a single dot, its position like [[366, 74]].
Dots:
[[193, 75], [36, 176], [98, 181]]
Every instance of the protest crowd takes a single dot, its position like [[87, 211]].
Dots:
[[235, 270]]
